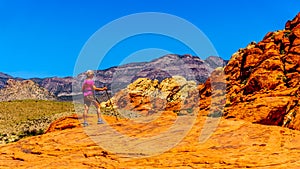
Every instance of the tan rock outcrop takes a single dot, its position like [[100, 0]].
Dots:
[[22, 90], [147, 96]]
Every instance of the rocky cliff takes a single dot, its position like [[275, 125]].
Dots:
[[263, 80]]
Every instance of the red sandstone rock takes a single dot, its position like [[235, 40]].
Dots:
[[263, 80]]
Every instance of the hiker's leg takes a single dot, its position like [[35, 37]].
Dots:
[[86, 110], [87, 103], [98, 113]]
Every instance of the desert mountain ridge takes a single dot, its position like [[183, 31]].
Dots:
[[118, 77]]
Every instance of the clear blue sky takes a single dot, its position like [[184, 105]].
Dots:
[[44, 38]]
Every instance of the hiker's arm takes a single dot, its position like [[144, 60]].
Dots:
[[99, 89]]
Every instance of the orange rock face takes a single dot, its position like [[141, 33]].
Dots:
[[234, 144], [64, 123], [263, 79]]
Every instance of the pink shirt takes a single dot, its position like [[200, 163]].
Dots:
[[88, 87]]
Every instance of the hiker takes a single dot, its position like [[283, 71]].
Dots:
[[88, 89]]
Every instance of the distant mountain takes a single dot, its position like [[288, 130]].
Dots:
[[3, 75], [3, 78], [214, 62], [57, 86], [190, 67], [26, 89], [117, 78]]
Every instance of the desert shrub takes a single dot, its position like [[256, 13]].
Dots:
[[215, 114], [287, 34], [244, 82], [23, 118]]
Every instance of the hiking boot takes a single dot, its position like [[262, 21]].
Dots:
[[100, 121], [85, 124]]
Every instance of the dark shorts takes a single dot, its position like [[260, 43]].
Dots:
[[88, 100]]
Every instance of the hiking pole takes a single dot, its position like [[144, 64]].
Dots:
[[111, 106], [97, 100]]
